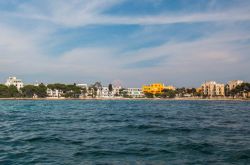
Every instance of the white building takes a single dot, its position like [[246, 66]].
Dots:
[[54, 93], [14, 81], [106, 93], [135, 92], [211, 88], [233, 84], [116, 90]]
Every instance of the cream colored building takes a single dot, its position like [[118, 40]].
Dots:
[[211, 88], [233, 84]]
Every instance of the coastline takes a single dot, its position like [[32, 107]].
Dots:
[[174, 99]]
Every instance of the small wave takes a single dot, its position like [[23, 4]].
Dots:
[[158, 131], [241, 155], [205, 148], [143, 126]]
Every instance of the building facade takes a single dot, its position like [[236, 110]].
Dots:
[[14, 81], [211, 88], [135, 92], [233, 84], [54, 93], [116, 90], [153, 88], [106, 93]]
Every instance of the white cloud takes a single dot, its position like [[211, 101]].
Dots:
[[81, 13], [23, 51]]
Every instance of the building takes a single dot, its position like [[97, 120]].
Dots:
[[153, 88], [116, 90], [106, 93], [211, 88], [135, 92], [14, 81], [233, 84], [54, 93]]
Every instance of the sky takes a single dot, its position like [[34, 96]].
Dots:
[[133, 42]]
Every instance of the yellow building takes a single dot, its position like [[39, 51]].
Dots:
[[153, 88]]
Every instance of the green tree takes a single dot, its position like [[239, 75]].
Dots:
[[159, 95], [4, 91], [110, 87], [168, 93], [29, 91], [148, 95], [41, 91], [70, 91], [181, 91], [73, 91], [123, 92], [13, 91]]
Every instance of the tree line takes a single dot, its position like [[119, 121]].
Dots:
[[40, 91], [73, 91]]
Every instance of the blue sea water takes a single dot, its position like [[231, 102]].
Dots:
[[124, 132]]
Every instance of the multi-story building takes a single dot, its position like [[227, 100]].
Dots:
[[116, 90], [14, 81], [106, 93], [135, 92], [211, 88], [153, 88], [54, 93], [233, 84]]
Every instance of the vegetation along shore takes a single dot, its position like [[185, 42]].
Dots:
[[15, 89]]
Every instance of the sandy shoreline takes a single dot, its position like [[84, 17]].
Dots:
[[194, 99]]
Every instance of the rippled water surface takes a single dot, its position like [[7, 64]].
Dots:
[[120, 132]]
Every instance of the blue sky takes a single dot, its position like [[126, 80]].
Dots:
[[178, 42]]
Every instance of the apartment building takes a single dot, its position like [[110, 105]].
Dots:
[[211, 88], [106, 93]]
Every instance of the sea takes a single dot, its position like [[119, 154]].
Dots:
[[65, 132]]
